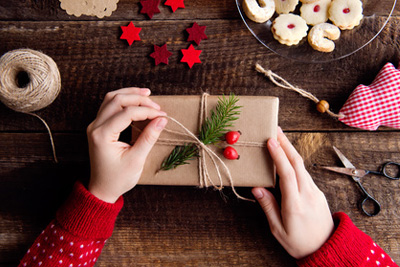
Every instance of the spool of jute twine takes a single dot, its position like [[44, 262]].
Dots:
[[29, 81]]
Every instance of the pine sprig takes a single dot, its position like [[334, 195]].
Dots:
[[211, 132], [180, 156], [217, 125]]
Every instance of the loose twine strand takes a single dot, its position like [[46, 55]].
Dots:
[[42, 89], [281, 82]]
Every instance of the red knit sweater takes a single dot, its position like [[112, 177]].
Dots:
[[84, 223]]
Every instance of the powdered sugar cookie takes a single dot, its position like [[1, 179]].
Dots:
[[320, 37], [316, 12], [289, 29], [259, 11], [285, 6], [346, 14]]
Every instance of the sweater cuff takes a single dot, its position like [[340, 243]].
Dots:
[[344, 248], [85, 215]]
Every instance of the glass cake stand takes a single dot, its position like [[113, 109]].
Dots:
[[376, 16]]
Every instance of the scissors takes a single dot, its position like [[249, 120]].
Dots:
[[357, 174]]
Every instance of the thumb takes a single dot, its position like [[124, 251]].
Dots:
[[149, 137], [270, 207]]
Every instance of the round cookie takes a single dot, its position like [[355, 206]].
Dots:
[[320, 37], [346, 14], [289, 29], [316, 12], [285, 6], [259, 11]]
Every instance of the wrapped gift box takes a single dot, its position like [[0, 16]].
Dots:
[[257, 122]]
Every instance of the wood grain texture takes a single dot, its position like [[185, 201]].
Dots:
[[92, 61], [182, 226], [185, 226]]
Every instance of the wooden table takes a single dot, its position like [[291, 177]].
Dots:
[[185, 226]]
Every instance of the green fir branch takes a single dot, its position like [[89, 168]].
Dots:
[[217, 125], [212, 131], [180, 156]]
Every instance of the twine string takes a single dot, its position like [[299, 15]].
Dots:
[[41, 90], [281, 82]]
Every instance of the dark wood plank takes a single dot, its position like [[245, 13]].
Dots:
[[92, 61], [41, 10], [185, 226]]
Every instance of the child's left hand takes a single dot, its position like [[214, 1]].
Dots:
[[117, 166]]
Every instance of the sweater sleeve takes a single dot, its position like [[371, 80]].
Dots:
[[78, 233], [348, 246]]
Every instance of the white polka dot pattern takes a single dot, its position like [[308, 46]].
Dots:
[[57, 247], [377, 257]]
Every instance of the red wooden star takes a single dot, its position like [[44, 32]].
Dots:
[[191, 56], [196, 33], [150, 7], [130, 33], [161, 54], [175, 4]]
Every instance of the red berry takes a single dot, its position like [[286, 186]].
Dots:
[[231, 153], [232, 137]]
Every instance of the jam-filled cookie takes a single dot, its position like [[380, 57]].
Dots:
[[259, 11], [316, 12], [346, 14], [285, 6], [320, 37], [289, 29]]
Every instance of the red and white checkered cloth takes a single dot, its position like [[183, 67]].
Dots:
[[369, 107]]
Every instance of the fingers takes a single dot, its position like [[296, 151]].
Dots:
[[149, 137], [121, 101], [112, 128], [130, 90], [287, 174], [302, 176], [294, 157], [271, 209]]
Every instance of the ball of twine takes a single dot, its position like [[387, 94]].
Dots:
[[29, 81], [43, 82]]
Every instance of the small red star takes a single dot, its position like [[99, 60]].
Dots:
[[175, 4], [191, 56], [196, 33], [130, 33], [161, 54], [150, 7]]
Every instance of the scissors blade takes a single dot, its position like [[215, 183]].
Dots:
[[344, 160], [348, 171]]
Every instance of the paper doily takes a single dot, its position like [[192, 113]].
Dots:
[[98, 8]]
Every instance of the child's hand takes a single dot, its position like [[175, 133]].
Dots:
[[116, 166], [303, 223]]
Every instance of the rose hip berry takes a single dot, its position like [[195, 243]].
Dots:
[[231, 153], [232, 137]]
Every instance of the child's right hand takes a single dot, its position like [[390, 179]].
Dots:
[[116, 166], [303, 223]]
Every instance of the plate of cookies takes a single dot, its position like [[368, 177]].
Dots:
[[315, 30]]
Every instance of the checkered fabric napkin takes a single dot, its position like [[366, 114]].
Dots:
[[369, 107]]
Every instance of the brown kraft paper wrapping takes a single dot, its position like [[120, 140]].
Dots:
[[257, 121]]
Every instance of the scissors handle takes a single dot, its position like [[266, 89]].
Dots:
[[369, 199], [391, 166]]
